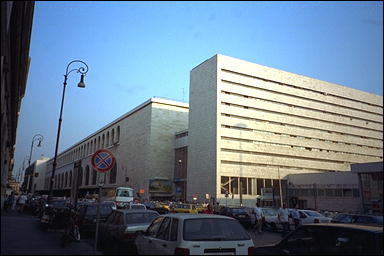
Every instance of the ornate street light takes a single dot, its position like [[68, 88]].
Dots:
[[39, 138], [82, 70]]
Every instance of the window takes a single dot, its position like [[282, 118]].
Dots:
[[94, 177], [224, 184], [329, 192], [66, 179], [174, 227], [338, 192], [163, 232], [70, 178], [102, 141], [347, 192], [356, 192], [107, 140], [152, 229], [80, 177], [113, 137], [234, 185], [243, 185], [87, 175], [118, 134], [260, 184], [112, 174]]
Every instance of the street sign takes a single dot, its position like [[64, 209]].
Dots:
[[103, 160]]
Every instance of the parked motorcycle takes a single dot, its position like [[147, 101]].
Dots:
[[71, 228]]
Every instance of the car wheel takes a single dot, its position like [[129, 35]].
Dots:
[[273, 227]]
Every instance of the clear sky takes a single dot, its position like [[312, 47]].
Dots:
[[138, 50]]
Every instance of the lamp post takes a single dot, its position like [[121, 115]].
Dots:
[[38, 137], [83, 70]]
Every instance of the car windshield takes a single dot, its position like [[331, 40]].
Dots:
[[104, 209], [238, 210], [138, 206], [313, 214], [58, 203], [124, 193], [183, 206], [140, 217], [213, 229]]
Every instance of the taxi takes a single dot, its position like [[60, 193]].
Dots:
[[185, 208]]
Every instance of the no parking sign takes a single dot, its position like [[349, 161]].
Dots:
[[103, 160]]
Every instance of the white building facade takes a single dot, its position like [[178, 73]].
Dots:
[[250, 126], [142, 142]]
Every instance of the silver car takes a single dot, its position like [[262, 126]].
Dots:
[[194, 234], [120, 229]]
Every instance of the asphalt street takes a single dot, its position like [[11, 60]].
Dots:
[[21, 234]]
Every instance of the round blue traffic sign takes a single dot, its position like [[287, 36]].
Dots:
[[103, 160]]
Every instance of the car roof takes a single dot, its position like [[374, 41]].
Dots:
[[196, 216], [374, 229], [134, 210]]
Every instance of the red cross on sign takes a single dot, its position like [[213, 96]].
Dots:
[[103, 160]]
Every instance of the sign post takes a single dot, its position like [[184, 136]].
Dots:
[[102, 161]]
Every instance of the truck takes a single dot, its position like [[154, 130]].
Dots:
[[122, 196]]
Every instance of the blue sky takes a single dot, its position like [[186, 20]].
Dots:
[[138, 50]]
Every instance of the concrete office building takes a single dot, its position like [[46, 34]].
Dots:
[[250, 126], [142, 142]]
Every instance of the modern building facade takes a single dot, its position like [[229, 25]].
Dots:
[[371, 186], [331, 191], [16, 28], [251, 126], [142, 142]]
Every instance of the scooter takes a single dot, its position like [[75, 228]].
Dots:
[[71, 229], [46, 219]]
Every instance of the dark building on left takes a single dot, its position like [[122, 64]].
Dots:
[[16, 29]]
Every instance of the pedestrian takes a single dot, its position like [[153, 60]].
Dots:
[[258, 218], [283, 215], [216, 208], [209, 210], [14, 204], [9, 202], [296, 216], [22, 201]]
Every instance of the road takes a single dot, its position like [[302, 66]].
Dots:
[[21, 235]]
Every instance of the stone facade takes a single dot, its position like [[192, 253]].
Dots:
[[142, 142], [248, 120]]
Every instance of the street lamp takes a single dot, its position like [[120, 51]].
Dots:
[[82, 70], [39, 138]]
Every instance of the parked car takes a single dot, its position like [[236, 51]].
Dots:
[[190, 234], [52, 214], [239, 213], [310, 216], [328, 238], [121, 227], [251, 212], [135, 207], [87, 216], [271, 220], [184, 208], [358, 219]]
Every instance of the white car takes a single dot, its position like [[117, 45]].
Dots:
[[135, 207], [186, 233], [310, 216]]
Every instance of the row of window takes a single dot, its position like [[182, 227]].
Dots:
[[326, 192], [302, 147], [299, 107], [102, 141], [326, 133], [65, 180], [297, 87], [250, 186]]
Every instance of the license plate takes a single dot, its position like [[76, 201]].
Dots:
[[45, 219]]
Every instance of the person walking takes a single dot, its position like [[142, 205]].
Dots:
[[283, 215], [15, 199], [22, 201], [296, 216], [209, 210], [258, 218]]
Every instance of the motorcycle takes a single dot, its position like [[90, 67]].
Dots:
[[47, 217], [71, 229]]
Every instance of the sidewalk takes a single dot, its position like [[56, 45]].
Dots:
[[21, 235]]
